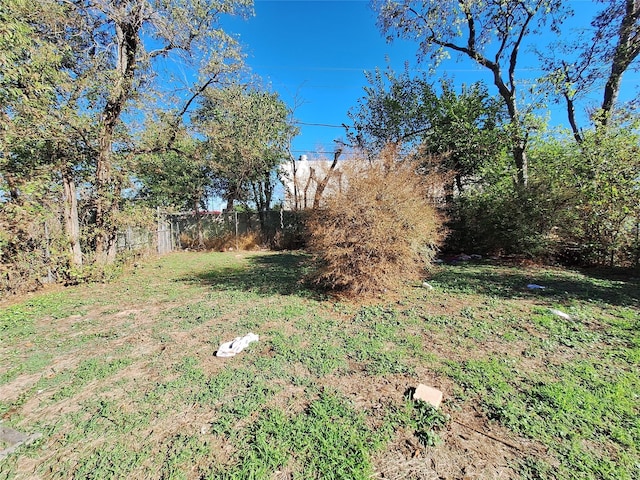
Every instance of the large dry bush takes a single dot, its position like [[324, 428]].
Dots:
[[378, 231]]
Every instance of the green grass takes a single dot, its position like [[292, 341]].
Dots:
[[329, 439], [121, 380]]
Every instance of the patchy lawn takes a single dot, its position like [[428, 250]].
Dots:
[[122, 382]]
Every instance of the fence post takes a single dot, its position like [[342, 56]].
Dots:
[[164, 233], [47, 252], [158, 230], [236, 220]]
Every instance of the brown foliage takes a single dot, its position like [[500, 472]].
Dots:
[[377, 233], [221, 243]]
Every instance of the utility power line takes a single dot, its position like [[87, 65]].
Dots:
[[321, 125]]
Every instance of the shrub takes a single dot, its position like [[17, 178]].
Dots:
[[378, 231], [504, 219], [32, 245], [605, 218], [596, 185], [580, 207]]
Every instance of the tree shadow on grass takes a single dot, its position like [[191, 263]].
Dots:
[[264, 274], [559, 285]]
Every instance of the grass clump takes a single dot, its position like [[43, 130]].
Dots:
[[329, 439], [376, 233]]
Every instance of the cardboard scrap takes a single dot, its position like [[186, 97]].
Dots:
[[431, 395]]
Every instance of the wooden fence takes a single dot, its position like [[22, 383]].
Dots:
[[178, 231]]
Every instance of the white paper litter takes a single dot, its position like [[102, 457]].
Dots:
[[235, 346], [560, 313]]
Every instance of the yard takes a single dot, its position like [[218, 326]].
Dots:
[[122, 382]]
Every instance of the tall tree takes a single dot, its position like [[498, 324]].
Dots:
[[108, 54], [38, 102], [623, 17], [134, 34], [393, 111], [471, 28], [248, 132], [612, 43], [177, 178], [463, 129], [467, 130]]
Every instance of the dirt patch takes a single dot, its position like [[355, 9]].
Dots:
[[470, 449]]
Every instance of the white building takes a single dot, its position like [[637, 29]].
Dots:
[[301, 179]]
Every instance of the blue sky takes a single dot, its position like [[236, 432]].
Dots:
[[316, 51]]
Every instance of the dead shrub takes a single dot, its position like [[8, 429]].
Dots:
[[247, 241], [378, 232], [292, 234], [221, 243]]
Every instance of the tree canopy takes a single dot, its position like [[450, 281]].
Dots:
[[464, 130], [596, 61], [491, 33], [247, 133], [89, 102]]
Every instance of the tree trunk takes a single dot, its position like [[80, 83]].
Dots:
[[312, 177], [106, 201], [295, 184], [230, 199], [626, 51], [522, 162], [518, 139], [71, 221], [611, 90], [105, 231], [459, 185], [198, 214], [12, 186], [323, 183], [519, 142], [571, 115], [258, 197], [263, 192]]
